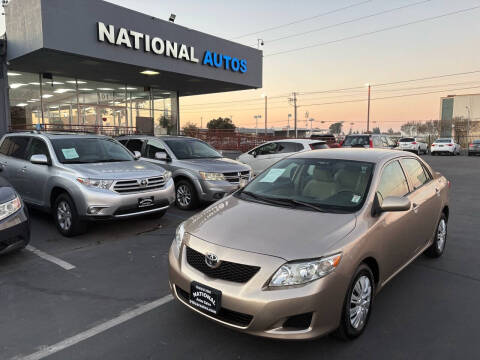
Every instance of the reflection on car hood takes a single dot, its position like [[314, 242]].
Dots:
[[213, 165], [118, 170], [288, 233]]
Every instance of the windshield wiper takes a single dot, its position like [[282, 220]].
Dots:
[[302, 203], [263, 198]]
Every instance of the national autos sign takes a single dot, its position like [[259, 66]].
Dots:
[[158, 46]]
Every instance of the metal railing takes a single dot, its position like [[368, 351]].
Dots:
[[81, 129]]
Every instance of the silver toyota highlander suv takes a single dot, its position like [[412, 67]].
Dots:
[[83, 177], [201, 174]]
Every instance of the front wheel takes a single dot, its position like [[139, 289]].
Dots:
[[186, 195], [358, 304], [438, 247], [66, 218]]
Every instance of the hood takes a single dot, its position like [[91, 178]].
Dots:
[[7, 192], [213, 165], [118, 170], [270, 230]]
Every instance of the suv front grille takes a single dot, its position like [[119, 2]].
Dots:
[[227, 270], [225, 315], [234, 177], [138, 185]]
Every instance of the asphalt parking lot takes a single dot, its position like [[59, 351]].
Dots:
[[105, 295]]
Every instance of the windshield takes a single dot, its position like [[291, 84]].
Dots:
[[89, 150], [356, 141], [444, 141], [192, 149], [330, 185]]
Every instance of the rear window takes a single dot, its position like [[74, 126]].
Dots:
[[444, 141], [356, 140], [406, 140], [318, 145], [289, 147], [15, 146]]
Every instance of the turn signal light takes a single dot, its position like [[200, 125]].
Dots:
[[450, 144]]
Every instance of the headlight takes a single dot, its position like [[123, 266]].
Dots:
[[96, 183], [9, 208], [296, 273], [179, 234], [211, 176], [167, 176]]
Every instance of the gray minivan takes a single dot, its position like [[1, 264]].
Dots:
[[83, 177], [200, 172]]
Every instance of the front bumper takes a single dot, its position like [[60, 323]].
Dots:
[[115, 205], [266, 310], [15, 231], [215, 190]]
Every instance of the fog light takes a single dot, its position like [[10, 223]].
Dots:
[[94, 210]]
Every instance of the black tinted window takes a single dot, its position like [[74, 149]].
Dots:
[[134, 145], [288, 147], [37, 147], [319, 145], [406, 140], [15, 146], [392, 182], [267, 149], [154, 146], [356, 141], [416, 172]]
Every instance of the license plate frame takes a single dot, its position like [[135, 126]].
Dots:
[[145, 202], [205, 298]]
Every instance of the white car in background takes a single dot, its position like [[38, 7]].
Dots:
[[446, 146], [415, 145], [267, 154]]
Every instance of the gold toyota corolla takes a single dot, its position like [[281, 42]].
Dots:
[[304, 248]]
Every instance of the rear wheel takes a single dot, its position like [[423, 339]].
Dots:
[[438, 247], [186, 195], [357, 305], [66, 218]]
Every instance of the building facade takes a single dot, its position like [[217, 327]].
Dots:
[[460, 117], [94, 66]]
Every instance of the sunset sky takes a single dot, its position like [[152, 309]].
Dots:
[[441, 46]]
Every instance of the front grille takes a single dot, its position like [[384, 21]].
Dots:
[[227, 270], [234, 177], [225, 315], [138, 185]]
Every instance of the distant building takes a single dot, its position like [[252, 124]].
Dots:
[[459, 115]]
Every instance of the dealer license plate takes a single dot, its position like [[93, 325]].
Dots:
[[205, 298]]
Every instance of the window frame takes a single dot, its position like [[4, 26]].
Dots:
[[409, 186], [166, 149], [33, 138], [409, 179], [10, 137], [142, 149]]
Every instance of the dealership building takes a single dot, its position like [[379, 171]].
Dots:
[[91, 65], [460, 117]]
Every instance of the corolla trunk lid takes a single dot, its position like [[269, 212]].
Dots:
[[284, 232]]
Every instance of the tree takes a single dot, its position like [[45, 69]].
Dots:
[[190, 129], [390, 131], [376, 130], [221, 123], [336, 128]]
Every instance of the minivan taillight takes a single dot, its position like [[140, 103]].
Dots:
[[371, 143], [433, 144], [414, 143], [450, 144]]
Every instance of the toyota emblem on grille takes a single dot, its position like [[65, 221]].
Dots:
[[143, 182], [211, 260]]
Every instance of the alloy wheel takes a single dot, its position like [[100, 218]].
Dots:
[[360, 301], [64, 215], [184, 195], [441, 235]]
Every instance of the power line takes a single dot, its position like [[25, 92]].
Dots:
[[303, 20], [374, 32], [346, 22]]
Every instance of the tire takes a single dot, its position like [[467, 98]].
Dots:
[[186, 196], [438, 247], [347, 329], [66, 217]]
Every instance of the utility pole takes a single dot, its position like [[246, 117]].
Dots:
[[368, 109], [293, 100], [201, 122], [307, 114], [256, 123], [288, 126], [265, 115], [468, 128]]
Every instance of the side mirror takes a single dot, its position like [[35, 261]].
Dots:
[[161, 156], [39, 159], [137, 155], [254, 154], [391, 203]]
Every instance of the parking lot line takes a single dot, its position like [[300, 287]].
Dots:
[[48, 257], [52, 349]]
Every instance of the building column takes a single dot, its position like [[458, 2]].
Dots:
[[4, 100]]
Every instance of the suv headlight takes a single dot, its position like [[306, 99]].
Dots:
[[297, 273], [96, 183], [209, 176], [179, 234], [167, 176], [10, 207]]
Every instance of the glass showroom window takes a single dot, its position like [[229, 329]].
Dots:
[[59, 101], [25, 109], [165, 121]]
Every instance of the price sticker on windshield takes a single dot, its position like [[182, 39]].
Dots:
[[70, 153], [272, 175]]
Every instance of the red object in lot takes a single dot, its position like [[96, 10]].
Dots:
[[414, 143], [433, 144], [371, 143], [471, 145], [450, 144]]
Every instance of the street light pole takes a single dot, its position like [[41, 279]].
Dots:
[[288, 126], [265, 97], [256, 123], [368, 109], [468, 128]]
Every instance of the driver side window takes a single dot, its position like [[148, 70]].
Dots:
[[393, 182], [267, 149], [154, 146]]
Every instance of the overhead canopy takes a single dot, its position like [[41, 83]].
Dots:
[[96, 40]]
